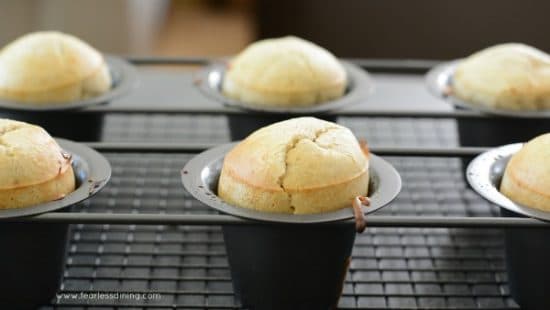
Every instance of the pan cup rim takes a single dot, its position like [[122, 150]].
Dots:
[[485, 172], [439, 81], [92, 172], [203, 169], [124, 77], [359, 87]]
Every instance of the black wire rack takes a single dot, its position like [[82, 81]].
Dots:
[[144, 238]]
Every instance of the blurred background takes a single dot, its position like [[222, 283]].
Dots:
[[429, 29]]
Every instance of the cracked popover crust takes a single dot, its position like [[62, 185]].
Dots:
[[302, 165], [51, 67], [285, 72], [526, 179], [33, 168]]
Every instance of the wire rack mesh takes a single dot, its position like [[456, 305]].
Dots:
[[185, 267]]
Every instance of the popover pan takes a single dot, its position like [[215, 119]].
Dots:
[[527, 249], [503, 127], [286, 261], [210, 79], [63, 119], [33, 261]]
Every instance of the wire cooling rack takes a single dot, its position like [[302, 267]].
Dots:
[[433, 248]]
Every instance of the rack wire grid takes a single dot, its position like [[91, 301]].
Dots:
[[185, 266]]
